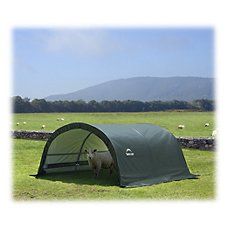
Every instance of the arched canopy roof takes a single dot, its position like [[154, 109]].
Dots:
[[144, 154]]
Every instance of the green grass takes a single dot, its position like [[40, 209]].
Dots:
[[83, 186], [193, 121]]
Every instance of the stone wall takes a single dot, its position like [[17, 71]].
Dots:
[[197, 143], [33, 135], [186, 142]]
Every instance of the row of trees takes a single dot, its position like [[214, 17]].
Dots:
[[24, 105]]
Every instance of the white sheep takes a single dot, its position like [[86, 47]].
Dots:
[[214, 133], [24, 122], [18, 123], [43, 126], [98, 160], [181, 126], [207, 125], [60, 119]]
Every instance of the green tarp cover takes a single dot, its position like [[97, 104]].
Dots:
[[144, 154]]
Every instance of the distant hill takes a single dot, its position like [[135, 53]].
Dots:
[[145, 89]]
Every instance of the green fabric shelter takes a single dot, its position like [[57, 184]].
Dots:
[[144, 154]]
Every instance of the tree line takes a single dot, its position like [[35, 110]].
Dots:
[[25, 105]]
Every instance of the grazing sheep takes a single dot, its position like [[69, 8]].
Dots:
[[98, 160], [207, 125], [43, 126], [60, 119], [181, 126], [18, 123], [24, 122], [214, 133]]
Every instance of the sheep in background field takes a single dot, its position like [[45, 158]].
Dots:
[[62, 119], [181, 126], [24, 122], [18, 123], [214, 133], [43, 126], [98, 160], [207, 125]]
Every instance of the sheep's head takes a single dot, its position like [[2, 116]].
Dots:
[[91, 153]]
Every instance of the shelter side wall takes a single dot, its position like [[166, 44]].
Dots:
[[154, 154]]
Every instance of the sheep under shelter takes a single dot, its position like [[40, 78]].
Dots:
[[144, 154]]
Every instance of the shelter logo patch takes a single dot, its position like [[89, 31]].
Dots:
[[129, 152]]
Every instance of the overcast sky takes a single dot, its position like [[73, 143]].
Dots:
[[56, 61]]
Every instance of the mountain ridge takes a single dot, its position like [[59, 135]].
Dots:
[[144, 88]]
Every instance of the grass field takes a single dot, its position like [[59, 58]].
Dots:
[[71, 186], [84, 186], [193, 121]]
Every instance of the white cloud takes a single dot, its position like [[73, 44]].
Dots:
[[82, 41]]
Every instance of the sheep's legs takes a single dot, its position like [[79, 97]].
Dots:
[[111, 169], [96, 172]]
